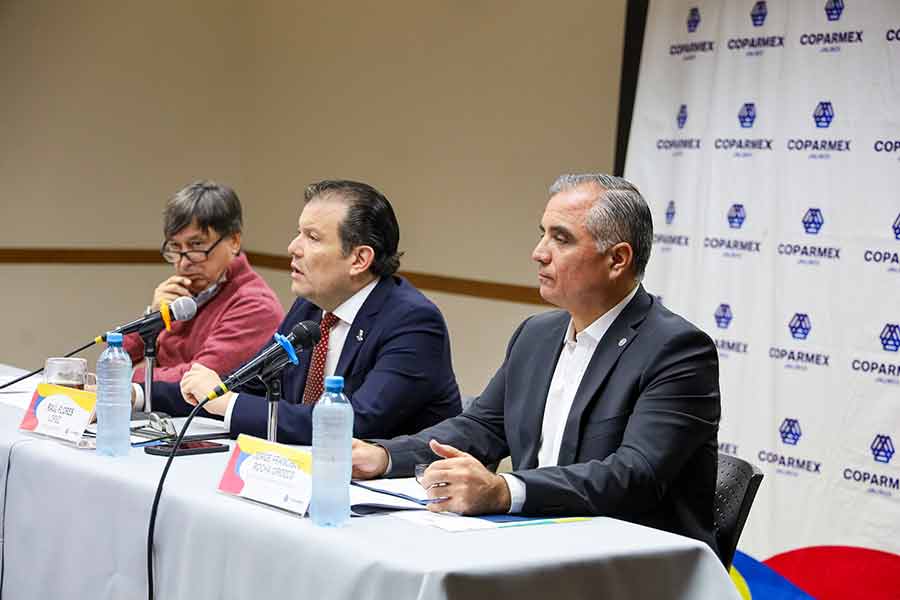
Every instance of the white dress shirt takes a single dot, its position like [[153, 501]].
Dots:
[[346, 313], [576, 354]]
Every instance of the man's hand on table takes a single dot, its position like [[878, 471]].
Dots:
[[197, 383], [370, 461], [470, 488]]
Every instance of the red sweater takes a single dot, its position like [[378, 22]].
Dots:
[[227, 330]]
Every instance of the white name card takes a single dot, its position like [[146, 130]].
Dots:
[[59, 412], [274, 474]]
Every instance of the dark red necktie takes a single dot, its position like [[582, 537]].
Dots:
[[315, 378]]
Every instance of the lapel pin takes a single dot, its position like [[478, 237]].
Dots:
[[359, 336], [622, 342]]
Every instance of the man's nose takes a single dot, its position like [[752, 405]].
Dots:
[[294, 246], [540, 254]]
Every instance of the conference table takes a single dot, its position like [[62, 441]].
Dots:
[[74, 525]]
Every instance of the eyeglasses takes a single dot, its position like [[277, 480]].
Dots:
[[172, 254]]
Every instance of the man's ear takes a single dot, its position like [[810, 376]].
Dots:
[[621, 258], [235, 243], [363, 256]]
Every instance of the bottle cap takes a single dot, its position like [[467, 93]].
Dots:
[[114, 338], [334, 383]]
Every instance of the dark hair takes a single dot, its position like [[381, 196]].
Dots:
[[370, 221], [213, 205]]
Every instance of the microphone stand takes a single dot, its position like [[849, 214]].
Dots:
[[149, 338], [271, 378]]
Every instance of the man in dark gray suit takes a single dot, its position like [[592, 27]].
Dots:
[[607, 407]]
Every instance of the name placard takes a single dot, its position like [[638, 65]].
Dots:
[[274, 474], [59, 412]]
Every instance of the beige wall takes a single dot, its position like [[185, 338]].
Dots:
[[109, 107], [461, 112]]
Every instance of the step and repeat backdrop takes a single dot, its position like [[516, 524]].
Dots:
[[766, 138]]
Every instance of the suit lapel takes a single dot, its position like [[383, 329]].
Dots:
[[542, 366], [363, 323], [294, 377], [614, 342]]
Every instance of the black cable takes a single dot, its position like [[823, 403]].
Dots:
[[159, 489], [27, 375]]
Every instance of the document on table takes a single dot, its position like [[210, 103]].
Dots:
[[456, 523], [383, 495]]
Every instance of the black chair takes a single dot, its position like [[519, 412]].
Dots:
[[736, 485]]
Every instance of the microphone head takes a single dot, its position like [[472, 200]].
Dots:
[[305, 334], [183, 309]]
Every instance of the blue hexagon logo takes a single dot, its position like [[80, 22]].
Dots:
[[723, 316], [747, 115], [758, 13], [800, 326], [833, 9], [670, 212], [790, 431], [896, 227], [824, 114], [882, 448], [813, 221], [681, 119], [890, 337], [693, 19], [736, 216]]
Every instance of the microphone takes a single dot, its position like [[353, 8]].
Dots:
[[304, 334], [182, 309]]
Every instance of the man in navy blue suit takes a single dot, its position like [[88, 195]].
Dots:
[[387, 340]]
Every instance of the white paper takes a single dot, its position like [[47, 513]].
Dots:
[[401, 485], [446, 520], [365, 501]]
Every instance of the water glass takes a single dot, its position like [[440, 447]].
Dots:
[[70, 372]]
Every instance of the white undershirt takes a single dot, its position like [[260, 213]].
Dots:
[[346, 313], [573, 361]]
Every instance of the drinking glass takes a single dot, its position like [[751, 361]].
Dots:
[[70, 372], [420, 472]]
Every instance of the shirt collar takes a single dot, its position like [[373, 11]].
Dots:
[[348, 309], [595, 331], [210, 292]]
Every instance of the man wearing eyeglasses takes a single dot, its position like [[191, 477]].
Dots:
[[237, 311]]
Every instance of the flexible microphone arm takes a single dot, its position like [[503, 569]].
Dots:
[[41, 370], [182, 309], [304, 334]]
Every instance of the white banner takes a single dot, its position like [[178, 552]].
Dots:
[[766, 138]]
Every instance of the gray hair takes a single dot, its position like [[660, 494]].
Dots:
[[619, 214]]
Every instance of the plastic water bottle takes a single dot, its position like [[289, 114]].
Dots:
[[113, 398], [331, 443]]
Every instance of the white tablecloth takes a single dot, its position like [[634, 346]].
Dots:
[[75, 526]]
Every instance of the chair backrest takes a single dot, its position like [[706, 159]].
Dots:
[[736, 485]]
